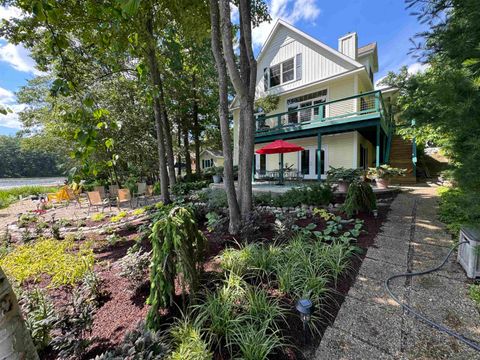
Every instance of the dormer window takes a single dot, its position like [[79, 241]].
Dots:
[[284, 72]]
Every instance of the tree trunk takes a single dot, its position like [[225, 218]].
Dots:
[[228, 178], [186, 145], [196, 127], [179, 158], [244, 82], [157, 109], [15, 340], [168, 137]]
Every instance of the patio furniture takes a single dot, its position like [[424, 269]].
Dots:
[[95, 200], [141, 194], [113, 191], [124, 196], [101, 190], [72, 196]]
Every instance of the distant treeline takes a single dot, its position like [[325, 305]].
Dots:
[[17, 160]]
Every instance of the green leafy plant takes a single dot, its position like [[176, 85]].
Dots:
[[139, 344], [97, 217], [360, 197], [342, 174], [134, 266], [49, 257], [187, 341], [385, 172], [178, 247], [216, 222], [40, 316], [183, 188], [139, 211], [474, 293], [119, 216]]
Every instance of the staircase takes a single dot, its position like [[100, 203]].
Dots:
[[401, 157]]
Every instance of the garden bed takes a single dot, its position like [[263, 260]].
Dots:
[[120, 308]]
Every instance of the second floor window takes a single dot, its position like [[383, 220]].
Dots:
[[282, 72]]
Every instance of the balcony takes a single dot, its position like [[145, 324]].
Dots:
[[350, 110]]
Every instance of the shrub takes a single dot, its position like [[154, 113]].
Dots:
[[216, 222], [178, 247], [134, 266], [360, 197], [9, 196], [188, 343], [458, 207], [139, 211], [119, 216], [141, 344], [98, 217], [474, 293], [40, 317], [183, 188], [49, 257], [336, 175]]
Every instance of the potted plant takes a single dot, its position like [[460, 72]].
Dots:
[[343, 177], [217, 174], [383, 174]]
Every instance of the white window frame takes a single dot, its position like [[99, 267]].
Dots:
[[294, 58], [287, 106]]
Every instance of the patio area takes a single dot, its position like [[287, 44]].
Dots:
[[272, 187]]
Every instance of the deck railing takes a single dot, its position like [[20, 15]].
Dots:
[[357, 107]]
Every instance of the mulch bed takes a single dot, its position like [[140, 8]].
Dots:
[[122, 308]]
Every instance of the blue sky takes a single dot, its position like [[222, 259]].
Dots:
[[384, 21]]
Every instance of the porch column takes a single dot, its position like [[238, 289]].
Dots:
[[384, 152], [253, 167], [281, 169], [377, 150], [319, 156]]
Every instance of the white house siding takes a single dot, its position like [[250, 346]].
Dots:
[[317, 63], [339, 151]]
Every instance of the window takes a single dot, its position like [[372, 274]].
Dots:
[[288, 70], [207, 163], [299, 102], [275, 75], [281, 73], [305, 161], [263, 162], [363, 157]]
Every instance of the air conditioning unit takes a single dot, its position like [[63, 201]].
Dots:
[[469, 253]]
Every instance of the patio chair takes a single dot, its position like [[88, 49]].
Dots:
[[95, 200], [141, 194], [101, 190], [113, 191], [124, 196], [72, 196]]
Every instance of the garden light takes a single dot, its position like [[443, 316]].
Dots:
[[375, 213], [304, 307]]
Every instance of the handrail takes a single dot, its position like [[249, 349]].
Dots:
[[264, 117]]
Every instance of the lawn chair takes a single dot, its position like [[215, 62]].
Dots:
[[95, 200], [101, 190], [73, 197], [141, 194], [124, 196], [113, 191]]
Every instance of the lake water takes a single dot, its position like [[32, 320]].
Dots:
[[18, 182]]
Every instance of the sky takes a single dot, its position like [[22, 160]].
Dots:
[[385, 21]]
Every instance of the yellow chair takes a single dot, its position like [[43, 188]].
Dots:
[[124, 196]]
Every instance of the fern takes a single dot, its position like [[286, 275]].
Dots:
[[178, 247], [360, 197]]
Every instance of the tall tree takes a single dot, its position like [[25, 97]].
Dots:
[[15, 340]]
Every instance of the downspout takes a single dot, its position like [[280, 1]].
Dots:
[[414, 151]]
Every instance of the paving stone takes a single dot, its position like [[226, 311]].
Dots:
[[389, 255], [390, 242], [432, 252], [373, 291], [376, 325], [429, 238], [401, 231], [452, 270], [340, 345], [379, 270]]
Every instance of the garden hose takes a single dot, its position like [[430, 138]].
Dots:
[[423, 318]]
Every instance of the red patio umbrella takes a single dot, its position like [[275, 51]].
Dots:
[[279, 147]]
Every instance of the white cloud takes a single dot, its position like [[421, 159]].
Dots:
[[9, 12], [417, 67], [292, 11], [19, 58], [8, 100]]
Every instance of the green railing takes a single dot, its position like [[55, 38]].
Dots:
[[353, 108]]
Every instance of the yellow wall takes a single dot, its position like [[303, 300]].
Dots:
[[217, 161], [371, 150]]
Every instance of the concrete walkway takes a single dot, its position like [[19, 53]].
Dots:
[[370, 325]]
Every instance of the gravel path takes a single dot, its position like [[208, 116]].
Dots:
[[370, 325]]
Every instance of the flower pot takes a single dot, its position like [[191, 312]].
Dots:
[[217, 179], [382, 183], [342, 186]]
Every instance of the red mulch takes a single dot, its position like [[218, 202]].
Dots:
[[122, 309]]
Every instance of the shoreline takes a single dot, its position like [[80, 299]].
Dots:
[[14, 183]]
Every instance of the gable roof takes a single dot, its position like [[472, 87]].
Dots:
[[214, 153], [334, 52], [364, 50]]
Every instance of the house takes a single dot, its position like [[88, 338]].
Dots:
[[211, 158], [327, 104]]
